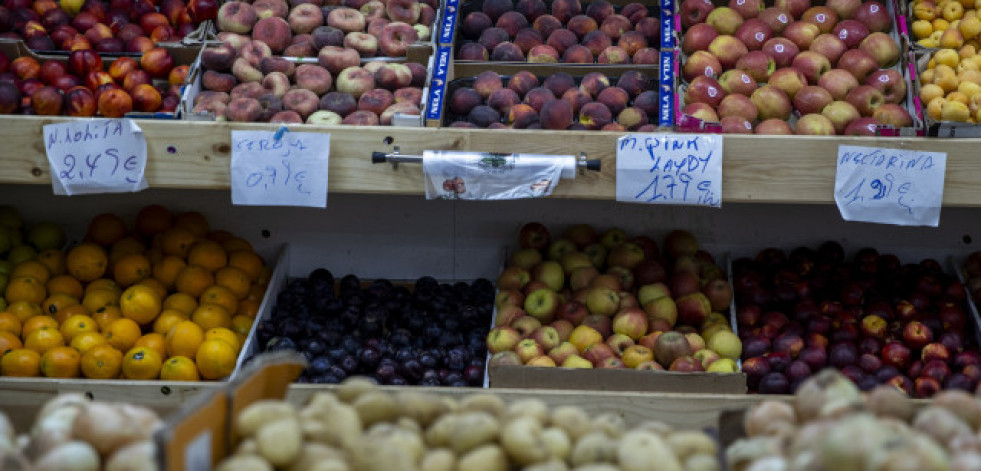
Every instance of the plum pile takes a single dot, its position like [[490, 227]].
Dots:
[[430, 335]]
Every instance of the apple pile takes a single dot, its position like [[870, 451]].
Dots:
[[589, 300], [833, 67], [112, 26], [245, 82], [829, 424], [946, 24], [83, 85], [523, 30], [950, 86], [873, 318], [523, 101], [371, 27]]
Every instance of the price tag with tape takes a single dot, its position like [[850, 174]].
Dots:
[[280, 168], [670, 169], [96, 156], [890, 186]]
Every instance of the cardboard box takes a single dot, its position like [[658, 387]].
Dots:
[[935, 128]]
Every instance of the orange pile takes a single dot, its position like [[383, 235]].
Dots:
[[166, 299]]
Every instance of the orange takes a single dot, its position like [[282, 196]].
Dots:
[[154, 341], [242, 324], [31, 269], [25, 289], [65, 284], [9, 342], [156, 286], [87, 261], [106, 229], [38, 322], [208, 254], [264, 276], [24, 310], [247, 261], [100, 298], [103, 283], [126, 246], [140, 303], [106, 315], [73, 310], [77, 325], [141, 363], [209, 316], [215, 359], [167, 269], [10, 323], [122, 334], [44, 339], [222, 333], [236, 280], [102, 362], [221, 296], [256, 293], [84, 342], [56, 303], [182, 302], [167, 319], [179, 368], [176, 241], [236, 244], [219, 236], [21, 362], [248, 308], [183, 339], [193, 280], [155, 255], [153, 219], [130, 269], [53, 260], [61, 362], [194, 222]]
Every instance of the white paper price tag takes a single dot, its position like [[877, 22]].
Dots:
[[288, 171], [670, 169], [890, 186], [96, 156]]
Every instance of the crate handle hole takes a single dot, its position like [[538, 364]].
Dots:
[[388, 140], [967, 239]]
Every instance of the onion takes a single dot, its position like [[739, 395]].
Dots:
[[766, 417], [72, 400], [137, 456], [70, 456], [826, 394], [53, 430], [962, 404], [104, 426], [887, 401], [852, 441], [743, 452], [940, 424]]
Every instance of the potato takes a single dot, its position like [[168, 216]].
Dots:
[[523, 442], [534, 408], [770, 463], [743, 452], [244, 463], [702, 462], [439, 459], [573, 420], [313, 453], [483, 458], [439, 433], [553, 464], [69, 456], [410, 425], [473, 429], [656, 426], [335, 424], [280, 441], [610, 423], [423, 408], [685, 443], [137, 456], [319, 403], [247, 447], [597, 467], [641, 450], [352, 388], [595, 447], [490, 403], [394, 436], [557, 442], [386, 447], [376, 406], [330, 464], [259, 413]]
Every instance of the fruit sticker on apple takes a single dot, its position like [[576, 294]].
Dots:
[[96, 156], [670, 168]]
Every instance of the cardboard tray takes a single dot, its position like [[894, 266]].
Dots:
[[685, 123], [183, 55], [919, 58]]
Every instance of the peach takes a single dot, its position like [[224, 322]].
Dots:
[[472, 52], [273, 31], [326, 118], [632, 118], [48, 100], [502, 100], [615, 98], [243, 110], [146, 98], [302, 49], [632, 41], [347, 20], [462, 100], [543, 53], [303, 18], [233, 39], [393, 76], [646, 56], [395, 39], [236, 17], [340, 103], [327, 36], [564, 10], [522, 81], [406, 11], [375, 27], [364, 43], [616, 25], [269, 65], [546, 24], [491, 37], [245, 72], [597, 42], [115, 103], [613, 55], [268, 8], [409, 95], [335, 59], [270, 105], [355, 80], [634, 82], [80, 101], [559, 82], [483, 116], [562, 39], [595, 115], [376, 100], [556, 114], [528, 38], [405, 108], [254, 52], [286, 117], [578, 54], [486, 82], [581, 25], [247, 90], [576, 99], [507, 52], [314, 78], [495, 8], [302, 101], [373, 10], [531, 9], [276, 83], [537, 97], [361, 118], [474, 23], [212, 96]]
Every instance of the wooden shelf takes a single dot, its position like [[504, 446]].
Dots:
[[756, 169]]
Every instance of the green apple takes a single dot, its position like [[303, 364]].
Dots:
[[648, 293], [542, 304], [613, 237], [528, 349], [549, 272], [573, 260], [662, 308], [558, 248], [602, 301], [722, 365], [596, 253], [627, 255], [525, 258]]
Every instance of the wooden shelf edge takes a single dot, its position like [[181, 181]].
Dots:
[[756, 169]]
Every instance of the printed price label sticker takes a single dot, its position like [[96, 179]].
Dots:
[[96, 156], [280, 168], [670, 169], [890, 186]]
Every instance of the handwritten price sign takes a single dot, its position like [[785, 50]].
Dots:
[[96, 156], [670, 169], [890, 186], [285, 170]]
